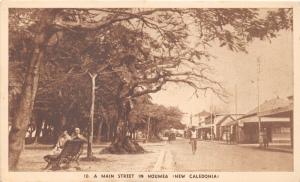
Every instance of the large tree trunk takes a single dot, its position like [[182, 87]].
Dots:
[[155, 133], [122, 144], [148, 129], [39, 124], [108, 132], [91, 125], [99, 132], [27, 96], [112, 130], [23, 112], [58, 123]]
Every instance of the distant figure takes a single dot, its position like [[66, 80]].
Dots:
[[61, 142], [193, 139], [231, 138], [169, 138], [203, 136], [77, 135], [208, 136], [227, 137], [213, 135], [265, 138], [261, 139]]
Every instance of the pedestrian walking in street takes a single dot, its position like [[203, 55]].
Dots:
[[193, 140], [169, 138]]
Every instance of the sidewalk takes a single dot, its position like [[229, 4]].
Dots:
[[33, 155], [276, 147], [95, 145], [39, 146], [272, 147]]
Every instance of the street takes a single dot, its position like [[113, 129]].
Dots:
[[221, 157], [174, 156]]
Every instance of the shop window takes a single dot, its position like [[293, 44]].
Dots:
[[281, 130]]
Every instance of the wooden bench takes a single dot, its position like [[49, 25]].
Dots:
[[70, 153]]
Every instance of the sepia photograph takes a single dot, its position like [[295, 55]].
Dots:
[[160, 91]]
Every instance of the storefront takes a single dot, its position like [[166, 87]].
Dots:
[[226, 128], [277, 128], [204, 132]]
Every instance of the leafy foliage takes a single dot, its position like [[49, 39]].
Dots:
[[134, 51]]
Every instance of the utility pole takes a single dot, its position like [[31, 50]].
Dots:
[[235, 100], [236, 116], [211, 118], [191, 120], [258, 101]]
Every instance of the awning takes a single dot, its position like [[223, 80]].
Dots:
[[205, 126], [254, 119]]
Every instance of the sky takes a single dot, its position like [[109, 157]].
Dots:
[[240, 69]]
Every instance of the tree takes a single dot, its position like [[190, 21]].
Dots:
[[162, 118], [91, 125], [155, 49], [25, 102]]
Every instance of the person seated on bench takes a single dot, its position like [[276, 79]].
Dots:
[[61, 142], [71, 150], [70, 153], [78, 135]]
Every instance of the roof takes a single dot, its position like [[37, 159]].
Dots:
[[209, 119], [203, 114], [227, 121], [220, 119], [268, 105], [279, 112]]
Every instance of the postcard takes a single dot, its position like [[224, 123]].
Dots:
[[149, 91]]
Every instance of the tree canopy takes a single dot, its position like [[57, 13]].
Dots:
[[146, 47], [134, 52]]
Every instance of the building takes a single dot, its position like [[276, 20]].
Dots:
[[276, 116], [214, 126], [206, 127], [223, 126], [201, 116]]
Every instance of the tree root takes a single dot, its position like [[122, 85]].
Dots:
[[127, 146]]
